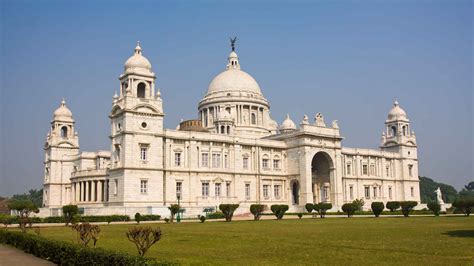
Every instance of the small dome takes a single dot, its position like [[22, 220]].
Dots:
[[233, 54], [397, 113], [287, 124], [137, 62], [234, 80], [63, 113]]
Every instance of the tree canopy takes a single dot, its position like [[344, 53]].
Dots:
[[428, 186]]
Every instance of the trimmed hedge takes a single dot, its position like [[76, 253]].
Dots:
[[377, 208], [407, 207], [150, 217], [393, 205], [215, 215], [435, 207], [349, 209], [64, 253], [279, 210]]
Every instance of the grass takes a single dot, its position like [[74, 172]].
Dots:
[[398, 241]]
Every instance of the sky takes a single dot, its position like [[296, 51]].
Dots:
[[347, 59]]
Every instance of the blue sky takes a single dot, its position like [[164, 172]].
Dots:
[[346, 59]]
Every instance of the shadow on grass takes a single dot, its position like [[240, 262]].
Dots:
[[460, 233]]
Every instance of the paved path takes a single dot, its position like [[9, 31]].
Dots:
[[12, 256]]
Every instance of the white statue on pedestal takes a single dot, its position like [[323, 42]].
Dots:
[[439, 199]]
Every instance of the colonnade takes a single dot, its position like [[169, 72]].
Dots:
[[91, 191], [241, 113]]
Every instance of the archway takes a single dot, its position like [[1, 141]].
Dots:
[[321, 167], [141, 90], [295, 193]]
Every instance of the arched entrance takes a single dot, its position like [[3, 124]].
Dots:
[[321, 170], [295, 193]]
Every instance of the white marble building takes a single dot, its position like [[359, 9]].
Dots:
[[233, 153]]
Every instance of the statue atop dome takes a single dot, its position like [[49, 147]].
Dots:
[[232, 43]]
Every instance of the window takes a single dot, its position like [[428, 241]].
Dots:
[[205, 159], [141, 90], [412, 191], [364, 169], [177, 158], [64, 132], [226, 161], [205, 190], [216, 160], [410, 170], [115, 187], [143, 186], [372, 169], [265, 191], [394, 131], [247, 191], [387, 170], [245, 163], [390, 192], [143, 153], [179, 188], [375, 192], [276, 164], [227, 189], [117, 152], [348, 169], [265, 163], [351, 192], [276, 191], [325, 193], [217, 189], [254, 119], [367, 192]]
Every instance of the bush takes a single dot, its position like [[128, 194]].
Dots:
[[321, 208], [228, 210], [300, 215], [257, 210], [279, 210], [150, 217], [377, 208], [407, 207], [64, 253], [86, 232], [138, 217], [202, 218], [143, 237], [7, 220], [174, 209], [54, 219], [167, 220], [349, 209], [68, 213], [358, 204], [104, 218], [215, 215], [393, 205], [24, 208], [435, 207], [464, 205], [309, 207]]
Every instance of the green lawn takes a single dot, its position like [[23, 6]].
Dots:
[[413, 240]]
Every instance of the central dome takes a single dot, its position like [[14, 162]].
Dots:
[[234, 80]]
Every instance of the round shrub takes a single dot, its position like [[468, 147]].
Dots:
[[138, 217], [309, 207], [257, 210], [349, 209], [377, 208], [279, 210], [202, 218], [321, 208], [393, 205], [435, 207], [300, 215], [407, 207], [464, 205], [228, 210]]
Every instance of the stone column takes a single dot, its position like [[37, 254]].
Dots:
[[100, 191], [87, 191]]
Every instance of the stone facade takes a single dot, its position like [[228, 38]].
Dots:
[[233, 153]]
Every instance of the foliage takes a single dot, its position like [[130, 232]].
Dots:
[[167, 220], [257, 210], [149, 217], [23, 208], [377, 208], [349, 208], [104, 218], [407, 206], [358, 204], [393, 205], [428, 186], [321, 208], [300, 215], [86, 232], [7, 220], [279, 210], [464, 205], [54, 219], [35, 196], [215, 215], [202, 218], [68, 212], [64, 253], [143, 237], [174, 209], [138, 217], [435, 207], [228, 210], [309, 207]]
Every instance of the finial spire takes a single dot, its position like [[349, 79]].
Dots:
[[63, 102], [232, 43], [138, 48]]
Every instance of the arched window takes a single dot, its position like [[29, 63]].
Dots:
[[141, 90], [228, 130], [64, 132], [222, 129], [254, 119], [394, 131], [404, 130]]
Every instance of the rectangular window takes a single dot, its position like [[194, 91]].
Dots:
[[351, 192], [226, 161], [247, 191], [217, 189], [143, 186], [205, 190], [245, 163], [179, 187], [364, 169], [387, 171], [348, 171], [205, 159], [367, 192], [115, 187], [412, 191], [265, 163], [375, 192], [410, 170], [276, 191], [325, 193], [227, 189], [276, 164], [143, 153], [390, 192], [177, 158], [216, 160], [372, 169], [265, 191]]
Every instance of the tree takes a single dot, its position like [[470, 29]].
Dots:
[[279, 210], [321, 208], [68, 212], [87, 232], [377, 208], [358, 204], [143, 237], [464, 205], [36, 196], [349, 209], [257, 210], [407, 206], [428, 186], [393, 205], [174, 209], [138, 217], [228, 210], [435, 207], [24, 208]]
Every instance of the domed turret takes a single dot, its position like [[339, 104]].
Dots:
[[137, 63], [288, 125], [397, 113], [63, 113]]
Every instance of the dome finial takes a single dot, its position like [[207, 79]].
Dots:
[[63, 102], [396, 102], [138, 48]]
